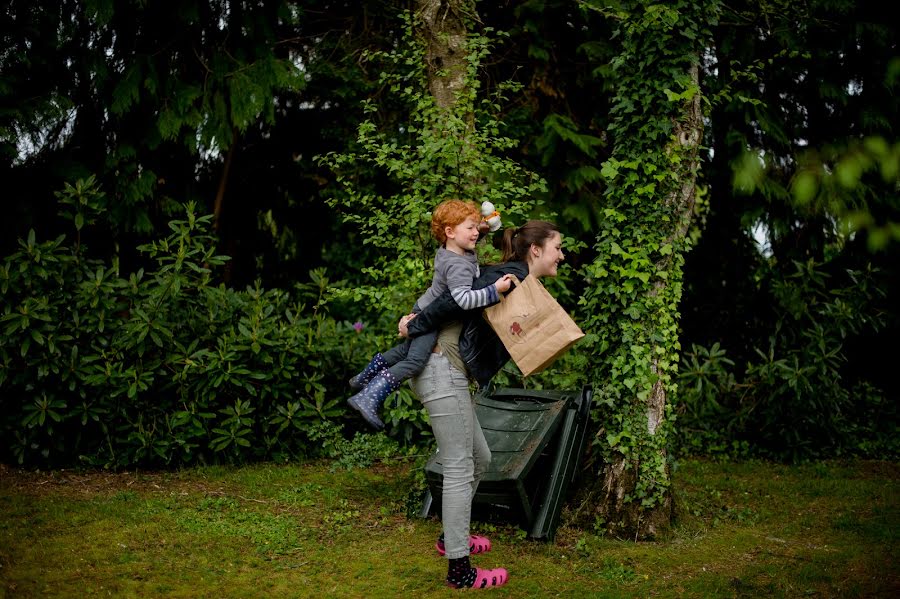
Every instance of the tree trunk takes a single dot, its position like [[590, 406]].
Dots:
[[226, 237], [620, 475], [223, 181], [442, 28]]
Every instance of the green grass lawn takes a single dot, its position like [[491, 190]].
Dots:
[[306, 530]]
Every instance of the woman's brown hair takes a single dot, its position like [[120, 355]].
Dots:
[[517, 241]]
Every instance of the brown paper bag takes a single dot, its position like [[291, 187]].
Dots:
[[533, 327]]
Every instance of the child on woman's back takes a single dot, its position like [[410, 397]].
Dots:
[[455, 225]]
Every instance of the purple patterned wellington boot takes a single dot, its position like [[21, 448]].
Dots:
[[369, 401], [375, 365]]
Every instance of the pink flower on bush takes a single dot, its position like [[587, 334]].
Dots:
[[358, 326]]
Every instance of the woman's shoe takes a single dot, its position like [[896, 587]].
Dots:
[[477, 544], [485, 579]]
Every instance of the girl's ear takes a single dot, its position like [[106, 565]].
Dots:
[[449, 232]]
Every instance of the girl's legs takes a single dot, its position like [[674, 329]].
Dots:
[[404, 361], [410, 357], [397, 353]]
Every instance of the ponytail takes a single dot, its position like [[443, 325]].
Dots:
[[517, 241]]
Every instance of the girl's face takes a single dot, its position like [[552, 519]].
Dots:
[[463, 236], [543, 260]]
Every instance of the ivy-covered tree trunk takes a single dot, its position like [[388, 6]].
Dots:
[[634, 285]]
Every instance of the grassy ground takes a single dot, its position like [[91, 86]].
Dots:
[[744, 530]]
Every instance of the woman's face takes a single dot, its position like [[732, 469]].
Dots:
[[543, 260]]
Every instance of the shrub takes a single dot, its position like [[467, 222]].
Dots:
[[164, 366], [792, 400]]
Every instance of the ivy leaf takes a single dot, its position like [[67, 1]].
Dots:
[[609, 170]]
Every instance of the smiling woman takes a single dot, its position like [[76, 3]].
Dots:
[[537, 242], [466, 349]]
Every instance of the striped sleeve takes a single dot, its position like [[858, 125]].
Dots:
[[469, 299]]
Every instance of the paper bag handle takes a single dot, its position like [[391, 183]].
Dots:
[[518, 283]]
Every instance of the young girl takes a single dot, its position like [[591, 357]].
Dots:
[[455, 225]]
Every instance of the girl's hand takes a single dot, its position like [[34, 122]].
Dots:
[[401, 326], [503, 283]]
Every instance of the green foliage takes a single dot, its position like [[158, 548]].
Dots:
[[163, 366], [398, 171], [824, 147], [205, 109], [156, 92], [405, 417], [792, 400], [361, 451], [705, 424], [854, 184], [806, 160]]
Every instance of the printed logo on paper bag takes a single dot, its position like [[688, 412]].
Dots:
[[515, 329]]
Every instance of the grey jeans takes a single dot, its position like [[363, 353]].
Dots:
[[465, 455]]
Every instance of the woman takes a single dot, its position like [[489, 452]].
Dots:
[[468, 347]]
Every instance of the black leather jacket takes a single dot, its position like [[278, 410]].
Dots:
[[480, 348]]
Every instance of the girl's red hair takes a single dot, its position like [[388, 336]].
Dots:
[[450, 213]]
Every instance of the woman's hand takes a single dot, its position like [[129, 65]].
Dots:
[[401, 326], [503, 283]]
